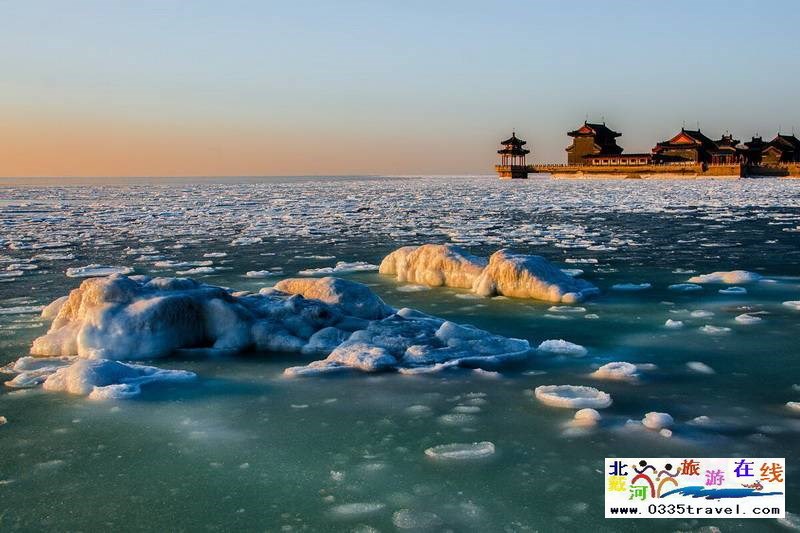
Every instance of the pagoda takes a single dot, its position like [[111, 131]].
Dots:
[[512, 159]]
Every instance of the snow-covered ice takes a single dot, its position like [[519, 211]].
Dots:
[[457, 451], [96, 270], [618, 370], [733, 290], [685, 287], [435, 265], [123, 318], [657, 421], [631, 286], [699, 367], [504, 274], [562, 347], [572, 396], [746, 318], [733, 277], [341, 267]]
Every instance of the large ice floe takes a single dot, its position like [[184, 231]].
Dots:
[[505, 273], [734, 277], [133, 318]]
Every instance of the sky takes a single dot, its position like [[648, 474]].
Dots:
[[300, 87]]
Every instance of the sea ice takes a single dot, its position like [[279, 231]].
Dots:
[[197, 271], [631, 286], [138, 317], [657, 421], [94, 270], [733, 277], [585, 418], [572, 396], [340, 268], [434, 265], [619, 370], [793, 406], [530, 276], [21, 310], [699, 367], [354, 299], [458, 451], [416, 520], [793, 304], [121, 317], [747, 319], [357, 509], [412, 288], [733, 290], [101, 379], [505, 273], [562, 347], [714, 330], [261, 273], [673, 324], [685, 287]]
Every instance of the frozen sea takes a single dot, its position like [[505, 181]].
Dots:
[[245, 448]]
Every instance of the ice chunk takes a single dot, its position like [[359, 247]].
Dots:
[[793, 304], [413, 288], [618, 370], [699, 367], [747, 319], [261, 273], [357, 509], [793, 406], [572, 396], [701, 313], [506, 274], [416, 520], [123, 318], [95, 270], [731, 278], [353, 298], [657, 421], [685, 287], [631, 286], [97, 379], [733, 290], [585, 418], [197, 271], [673, 324], [530, 276], [458, 451], [434, 265], [32, 371], [562, 347], [341, 267], [714, 330]]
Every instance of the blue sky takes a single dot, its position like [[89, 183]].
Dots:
[[241, 87]]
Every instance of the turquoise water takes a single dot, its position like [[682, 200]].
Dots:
[[242, 447]]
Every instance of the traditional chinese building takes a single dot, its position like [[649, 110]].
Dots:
[[512, 158], [781, 149], [692, 146], [592, 140]]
